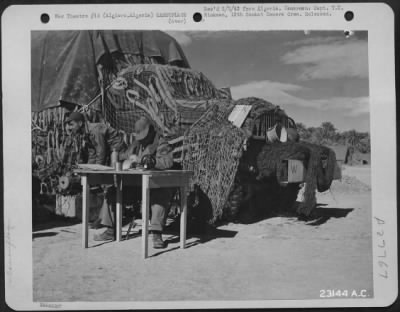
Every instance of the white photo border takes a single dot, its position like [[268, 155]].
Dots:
[[16, 37]]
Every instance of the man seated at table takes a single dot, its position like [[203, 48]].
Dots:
[[147, 142]]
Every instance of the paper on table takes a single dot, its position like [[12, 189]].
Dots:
[[136, 168], [94, 167]]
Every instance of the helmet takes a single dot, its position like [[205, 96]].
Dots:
[[148, 162]]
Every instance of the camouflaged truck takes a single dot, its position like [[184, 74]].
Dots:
[[246, 154]]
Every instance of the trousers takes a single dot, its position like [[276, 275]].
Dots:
[[159, 205]]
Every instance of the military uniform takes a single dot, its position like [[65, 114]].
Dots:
[[159, 198], [99, 141]]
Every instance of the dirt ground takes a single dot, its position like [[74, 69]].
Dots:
[[276, 258], [362, 173]]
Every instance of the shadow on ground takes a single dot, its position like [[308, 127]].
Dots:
[[201, 233], [52, 221], [318, 216], [46, 234], [322, 215], [205, 234]]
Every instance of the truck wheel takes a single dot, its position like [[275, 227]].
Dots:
[[287, 197], [234, 202]]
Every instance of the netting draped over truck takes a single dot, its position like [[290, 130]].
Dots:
[[318, 160], [172, 97], [216, 154], [214, 149]]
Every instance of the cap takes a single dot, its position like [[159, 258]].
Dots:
[[142, 127], [76, 116]]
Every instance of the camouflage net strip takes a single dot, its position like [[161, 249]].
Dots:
[[317, 177], [214, 150], [53, 151]]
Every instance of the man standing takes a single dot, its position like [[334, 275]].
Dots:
[[147, 142], [98, 142]]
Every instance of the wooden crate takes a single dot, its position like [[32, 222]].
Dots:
[[71, 206]]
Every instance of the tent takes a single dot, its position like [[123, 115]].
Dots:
[[65, 63]]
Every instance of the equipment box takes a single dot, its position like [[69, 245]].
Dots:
[[292, 171], [71, 206]]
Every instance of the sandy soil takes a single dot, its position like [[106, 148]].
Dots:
[[276, 258], [362, 173]]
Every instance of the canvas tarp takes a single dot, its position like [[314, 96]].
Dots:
[[64, 62]]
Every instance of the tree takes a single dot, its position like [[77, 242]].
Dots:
[[365, 144], [316, 135], [352, 138], [328, 130], [303, 132], [327, 134]]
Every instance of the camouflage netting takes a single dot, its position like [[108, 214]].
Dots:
[[214, 150], [114, 77], [319, 162], [260, 107], [174, 98], [53, 151]]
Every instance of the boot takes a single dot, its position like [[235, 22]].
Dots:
[[96, 224], [107, 235], [158, 243]]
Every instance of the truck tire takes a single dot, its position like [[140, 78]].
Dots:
[[234, 202], [288, 196]]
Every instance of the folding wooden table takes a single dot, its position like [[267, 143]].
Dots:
[[148, 179]]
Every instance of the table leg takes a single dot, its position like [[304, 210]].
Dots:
[[183, 216], [118, 209], [85, 210], [145, 214]]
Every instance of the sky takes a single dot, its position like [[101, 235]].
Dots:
[[314, 76]]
